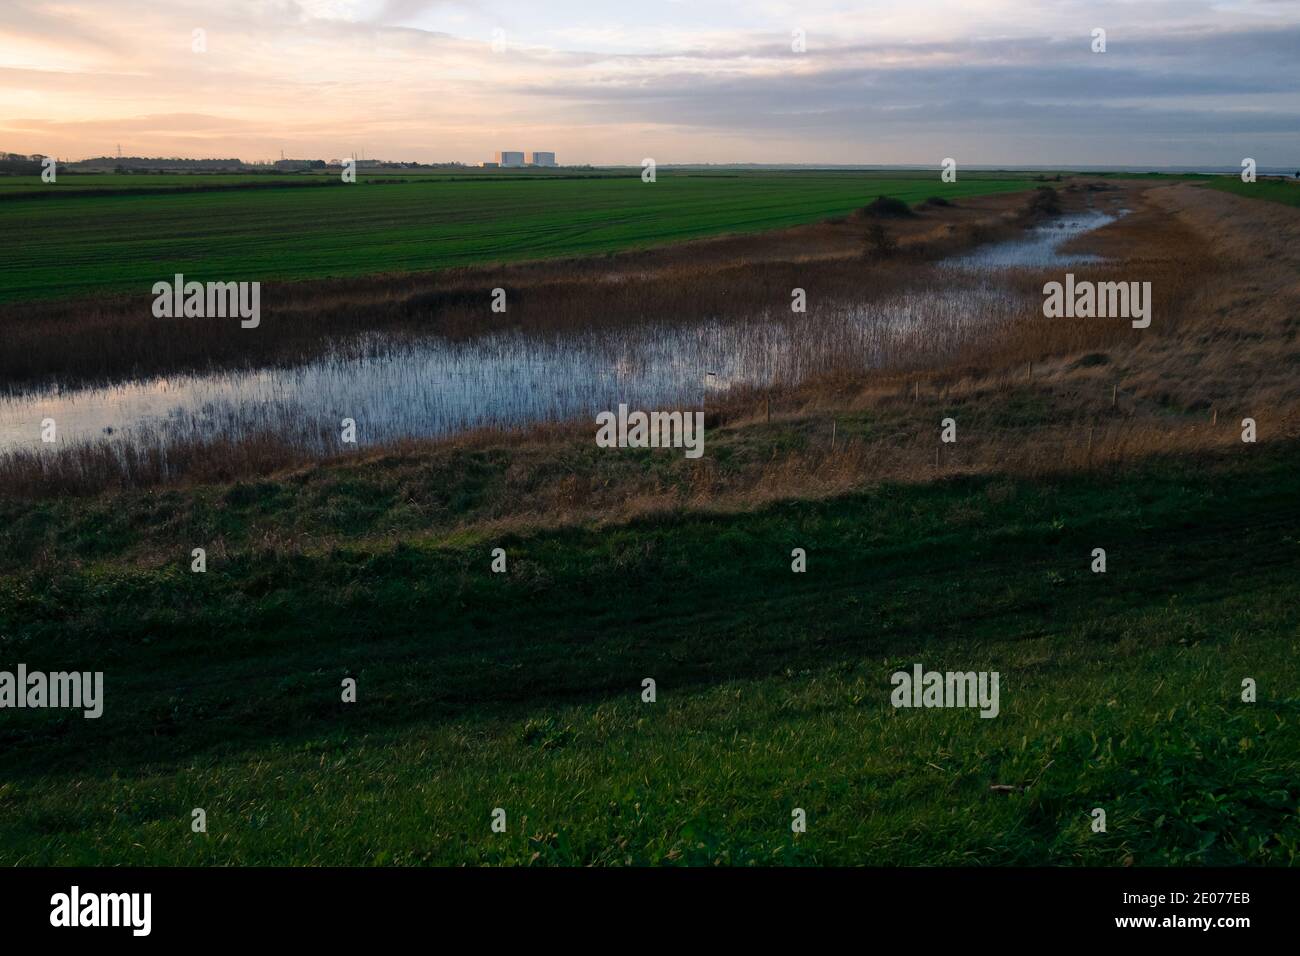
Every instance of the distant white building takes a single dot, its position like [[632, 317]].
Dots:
[[541, 159], [510, 158]]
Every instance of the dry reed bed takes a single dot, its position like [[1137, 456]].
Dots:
[[550, 478], [1106, 389], [118, 338]]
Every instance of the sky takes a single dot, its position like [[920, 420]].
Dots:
[[986, 82]]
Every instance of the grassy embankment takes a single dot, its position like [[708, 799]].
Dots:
[[522, 690]]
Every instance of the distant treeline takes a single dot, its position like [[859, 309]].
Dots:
[[19, 167], [158, 164]]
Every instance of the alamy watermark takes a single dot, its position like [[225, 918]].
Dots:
[[75, 908], [60, 689], [217, 300], [921, 688], [651, 430], [1098, 300]]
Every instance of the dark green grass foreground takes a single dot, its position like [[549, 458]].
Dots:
[[522, 690], [77, 245]]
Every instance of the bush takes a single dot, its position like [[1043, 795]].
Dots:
[[1045, 201], [880, 242], [887, 207]]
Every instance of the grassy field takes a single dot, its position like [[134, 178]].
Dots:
[[1285, 191], [522, 690], [20, 185], [79, 245]]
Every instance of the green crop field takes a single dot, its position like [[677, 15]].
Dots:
[[1285, 191], [77, 245]]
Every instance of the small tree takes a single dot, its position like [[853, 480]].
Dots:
[[880, 242], [1045, 201]]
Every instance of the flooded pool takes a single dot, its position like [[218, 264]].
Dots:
[[394, 389], [1040, 247], [433, 387]]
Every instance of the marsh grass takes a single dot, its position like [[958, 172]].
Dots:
[[111, 338], [912, 322]]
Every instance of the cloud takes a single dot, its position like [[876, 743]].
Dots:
[[692, 82]]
